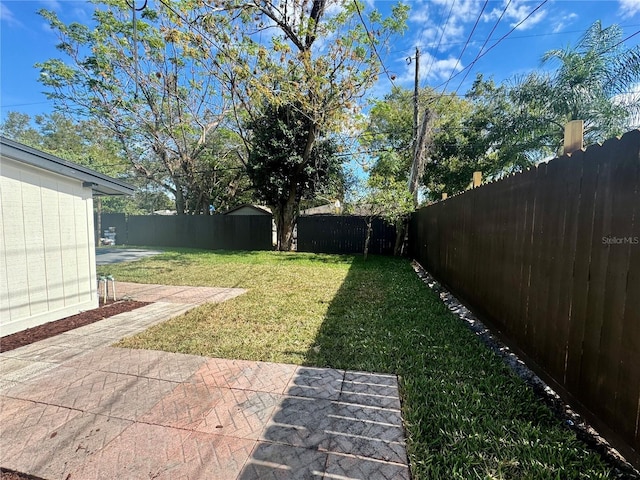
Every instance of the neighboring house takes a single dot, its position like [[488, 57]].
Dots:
[[326, 209], [47, 245], [247, 209]]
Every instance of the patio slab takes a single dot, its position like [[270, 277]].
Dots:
[[85, 420], [99, 412], [175, 294]]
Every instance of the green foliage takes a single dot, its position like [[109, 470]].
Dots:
[[387, 198], [463, 137], [277, 164], [389, 133], [591, 82], [287, 163], [482, 133], [17, 126], [156, 92]]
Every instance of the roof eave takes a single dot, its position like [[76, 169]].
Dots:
[[100, 184]]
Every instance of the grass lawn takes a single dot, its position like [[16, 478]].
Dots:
[[467, 416]]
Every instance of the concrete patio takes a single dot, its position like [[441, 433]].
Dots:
[[72, 407]]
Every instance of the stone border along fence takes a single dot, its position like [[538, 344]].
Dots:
[[550, 258]]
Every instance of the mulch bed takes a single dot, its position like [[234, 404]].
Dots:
[[26, 337], [11, 475]]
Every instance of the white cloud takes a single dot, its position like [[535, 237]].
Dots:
[[419, 13], [516, 12], [566, 20], [464, 10], [629, 8], [444, 22], [7, 17], [443, 69], [51, 4]]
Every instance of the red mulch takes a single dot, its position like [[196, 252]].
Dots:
[[11, 475], [26, 337]]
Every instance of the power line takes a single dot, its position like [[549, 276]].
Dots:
[[622, 41], [486, 2], [512, 37], [372, 42], [497, 42], [433, 56], [25, 104], [483, 45]]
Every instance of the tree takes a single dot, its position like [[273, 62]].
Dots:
[[315, 57], [482, 132], [460, 140], [88, 143], [385, 198], [389, 134], [592, 82], [17, 126], [153, 89], [279, 169]]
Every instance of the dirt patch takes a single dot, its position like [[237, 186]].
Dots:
[[26, 337]]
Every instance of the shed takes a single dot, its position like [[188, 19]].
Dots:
[[248, 209], [47, 246]]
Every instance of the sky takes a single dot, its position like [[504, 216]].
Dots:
[[510, 36]]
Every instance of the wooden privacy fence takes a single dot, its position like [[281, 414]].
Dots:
[[551, 258], [344, 234], [213, 232]]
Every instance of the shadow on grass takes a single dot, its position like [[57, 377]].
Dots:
[[342, 422], [463, 409]]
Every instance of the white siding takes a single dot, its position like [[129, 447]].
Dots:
[[47, 256]]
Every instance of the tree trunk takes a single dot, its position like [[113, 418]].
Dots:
[[419, 157], [368, 237], [180, 200], [285, 216], [401, 233]]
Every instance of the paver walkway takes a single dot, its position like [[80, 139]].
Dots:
[[71, 407]]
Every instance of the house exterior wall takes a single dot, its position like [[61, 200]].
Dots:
[[47, 254]]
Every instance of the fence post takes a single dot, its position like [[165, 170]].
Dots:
[[477, 179], [573, 136]]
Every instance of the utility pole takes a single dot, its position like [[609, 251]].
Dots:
[[402, 227], [416, 93], [419, 136], [424, 137]]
